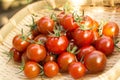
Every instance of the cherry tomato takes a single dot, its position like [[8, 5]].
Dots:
[[51, 69], [111, 29], [84, 51], [49, 57], [105, 44], [31, 69], [35, 32], [68, 23], [76, 70], [36, 52], [95, 61], [64, 59], [41, 37], [87, 21], [16, 55], [57, 45], [24, 57], [45, 25], [82, 37], [20, 44]]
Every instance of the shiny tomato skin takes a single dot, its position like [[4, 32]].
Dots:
[[95, 61], [41, 37], [82, 37], [31, 69], [20, 44], [57, 45], [36, 52], [64, 59], [24, 57], [84, 51], [68, 23], [16, 55], [76, 70], [51, 69], [45, 25], [105, 44], [110, 29], [87, 21]]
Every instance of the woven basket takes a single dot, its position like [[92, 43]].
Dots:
[[23, 17]]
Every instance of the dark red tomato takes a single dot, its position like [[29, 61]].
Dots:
[[64, 59], [49, 57], [24, 57], [111, 29], [35, 32], [95, 61], [105, 44], [84, 51], [51, 69], [45, 25], [31, 69], [20, 44], [41, 37], [16, 55], [82, 37], [68, 23], [76, 70], [57, 44], [87, 21], [69, 35], [36, 52]]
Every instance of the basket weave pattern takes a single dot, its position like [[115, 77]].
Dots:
[[19, 21]]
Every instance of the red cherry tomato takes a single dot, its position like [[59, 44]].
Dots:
[[31, 69], [68, 23], [24, 57], [20, 44], [87, 21], [16, 55], [51, 69], [45, 25], [57, 45], [105, 44], [35, 32], [95, 61], [83, 37], [111, 29], [84, 51], [49, 57], [36, 52], [64, 59], [76, 70]]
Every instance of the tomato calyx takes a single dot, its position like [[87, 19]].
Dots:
[[77, 18], [116, 41], [21, 67], [9, 54], [57, 31], [72, 49], [100, 27], [32, 26]]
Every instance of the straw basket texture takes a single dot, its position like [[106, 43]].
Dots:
[[23, 17]]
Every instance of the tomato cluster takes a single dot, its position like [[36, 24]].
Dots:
[[68, 43]]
